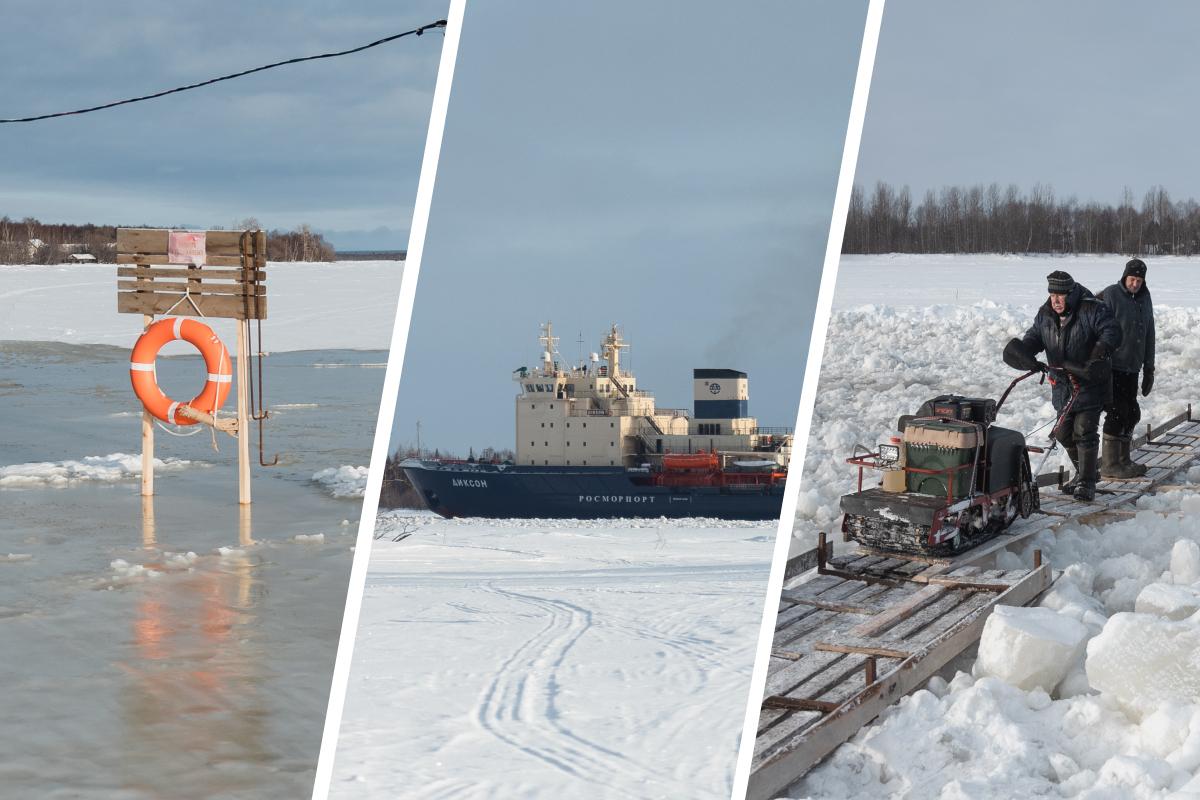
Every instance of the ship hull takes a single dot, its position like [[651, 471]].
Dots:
[[507, 491]]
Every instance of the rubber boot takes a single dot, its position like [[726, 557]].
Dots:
[[1088, 472], [1137, 470], [1114, 462], [1069, 486]]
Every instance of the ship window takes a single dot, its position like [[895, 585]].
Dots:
[[543, 424], [531, 444], [533, 406], [612, 424], [585, 424], [551, 424], [612, 444], [529, 387], [552, 405], [546, 463], [585, 444], [611, 462], [568, 462], [568, 424], [585, 463], [546, 444]]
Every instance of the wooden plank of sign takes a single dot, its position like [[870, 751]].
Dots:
[[196, 288], [220, 306], [206, 273], [155, 259], [154, 240]]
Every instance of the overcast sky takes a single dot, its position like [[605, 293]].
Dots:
[[1085, 95], [335, 143], [668, 166]]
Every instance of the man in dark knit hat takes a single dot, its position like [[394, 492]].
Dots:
[[1129, 301], [1078, 334]]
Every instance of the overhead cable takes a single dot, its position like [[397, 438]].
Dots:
[[441, 23]]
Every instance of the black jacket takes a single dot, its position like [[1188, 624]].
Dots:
[[1135, 314], [1087, 322]]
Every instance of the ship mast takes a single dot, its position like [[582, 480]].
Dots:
[[611, 347], [549, 347]]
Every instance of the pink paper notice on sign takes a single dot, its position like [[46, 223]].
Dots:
[[185, 247]]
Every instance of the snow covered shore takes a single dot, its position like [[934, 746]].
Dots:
[[552, 658], [314, 306], [1092, 695]]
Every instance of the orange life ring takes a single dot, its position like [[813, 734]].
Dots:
[[216, 362]]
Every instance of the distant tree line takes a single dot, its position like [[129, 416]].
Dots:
[[988, 219], [397, 492], [29, 241]]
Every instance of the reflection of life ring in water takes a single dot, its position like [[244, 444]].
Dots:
[[216, 362]]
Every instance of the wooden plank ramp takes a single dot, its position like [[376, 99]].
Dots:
[[859, 631], [855, 635]]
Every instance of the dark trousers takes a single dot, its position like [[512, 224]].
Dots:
[[1121, 415], [1080, 429]]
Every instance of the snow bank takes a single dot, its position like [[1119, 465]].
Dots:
[[1030, 647], [1145, 661], [344, 481], [111, 468]]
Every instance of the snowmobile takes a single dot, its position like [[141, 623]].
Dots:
[[952, 479]]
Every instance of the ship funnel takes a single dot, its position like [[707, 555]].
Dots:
[[720, 394]]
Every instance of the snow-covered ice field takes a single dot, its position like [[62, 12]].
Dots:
[[552, 658], [179, 649], [1124, 719], [314, 306]]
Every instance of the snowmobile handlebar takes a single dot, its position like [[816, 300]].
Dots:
[[1013, 385]]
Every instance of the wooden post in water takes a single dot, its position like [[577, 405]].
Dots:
[[147, 437], [149, 536], [243, 410]]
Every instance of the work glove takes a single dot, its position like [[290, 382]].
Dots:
[[1147, 381]]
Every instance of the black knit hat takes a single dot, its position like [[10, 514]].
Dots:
[[1059, 282], [1135, 267]]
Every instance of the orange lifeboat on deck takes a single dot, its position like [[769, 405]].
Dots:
[[701, 460]]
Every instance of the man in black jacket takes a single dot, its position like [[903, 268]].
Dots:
[[1129, 301], [1078, 334]]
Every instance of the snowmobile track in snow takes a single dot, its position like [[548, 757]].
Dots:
[[519, 706]]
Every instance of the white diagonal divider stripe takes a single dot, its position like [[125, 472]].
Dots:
[[808, 394], [387, 401]]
